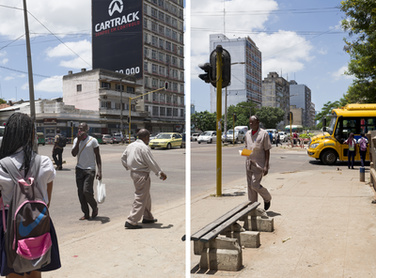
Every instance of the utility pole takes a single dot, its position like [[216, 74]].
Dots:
[[29, 58]]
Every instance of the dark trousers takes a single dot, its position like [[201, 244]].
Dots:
[[84, 182], [350, 161], [362, 157], [57, 156]]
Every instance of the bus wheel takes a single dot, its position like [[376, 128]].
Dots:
[[329, 157]]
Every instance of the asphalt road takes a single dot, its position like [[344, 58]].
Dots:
[[203, 164], [65, 207]]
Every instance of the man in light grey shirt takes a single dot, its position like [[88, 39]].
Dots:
[[138, 158]]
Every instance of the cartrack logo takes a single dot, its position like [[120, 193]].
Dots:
[[115, 6]]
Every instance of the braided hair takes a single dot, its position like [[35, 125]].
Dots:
[[18, 132]]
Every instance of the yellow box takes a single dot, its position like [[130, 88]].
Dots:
[[245, 152]]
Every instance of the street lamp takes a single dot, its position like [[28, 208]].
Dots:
[[132, 98]]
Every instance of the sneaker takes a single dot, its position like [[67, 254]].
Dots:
[[130, 226], [146, 221], [267, 205]]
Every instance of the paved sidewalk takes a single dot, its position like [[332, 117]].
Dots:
[[324, 227]]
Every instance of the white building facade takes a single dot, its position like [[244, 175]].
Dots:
[[245, 71]]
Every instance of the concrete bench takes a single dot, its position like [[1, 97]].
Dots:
[[220, 243]]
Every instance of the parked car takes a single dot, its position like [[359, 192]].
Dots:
[[98, 137], [117, 138], [283, 136], [107, 139], [166, 140], [207, 136], [194, 136], [240, 133]]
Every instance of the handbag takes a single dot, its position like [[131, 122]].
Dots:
[[101, 192]]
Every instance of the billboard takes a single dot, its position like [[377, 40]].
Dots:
[[117, 40]]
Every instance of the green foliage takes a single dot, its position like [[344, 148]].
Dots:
[[326, 111], [360, 22], [269, 116], [2, 101], [204, 120]]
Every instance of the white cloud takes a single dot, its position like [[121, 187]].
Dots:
[[50, 85], [340, 74], [3, 59], [82, 48], [281, 51], [61, 17]]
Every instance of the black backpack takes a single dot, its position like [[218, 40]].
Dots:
[[62, 141]]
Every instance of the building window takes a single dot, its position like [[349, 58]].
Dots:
[[130, 90], [105, 85], [155, 111], [162, 111], [119, 87], [79, 88]]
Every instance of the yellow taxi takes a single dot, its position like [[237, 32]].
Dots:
[[166, 140]]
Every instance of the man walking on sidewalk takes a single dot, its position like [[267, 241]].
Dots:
[[139, 160], [86, 148], [257, 164]]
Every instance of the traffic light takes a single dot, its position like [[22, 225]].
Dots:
[[210, 69], [226, 66], [207, 76]]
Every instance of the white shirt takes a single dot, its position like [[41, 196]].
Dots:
[[86, 157], [46, 175], [138, 157]]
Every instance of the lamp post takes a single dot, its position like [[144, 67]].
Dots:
[[132, 98]]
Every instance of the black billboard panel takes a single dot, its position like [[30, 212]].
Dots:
[[117, 40]]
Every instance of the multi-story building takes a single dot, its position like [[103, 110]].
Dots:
[[276, 93], [300, 96], [108, 93], [245, 71], [148, 45]]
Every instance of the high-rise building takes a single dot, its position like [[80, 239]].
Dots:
[[245, 71], [145, 39], [300, 95], [275, 93]]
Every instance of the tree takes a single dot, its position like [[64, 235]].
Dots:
[[270, 117], [204, 120], [361, 25], [326, 112]]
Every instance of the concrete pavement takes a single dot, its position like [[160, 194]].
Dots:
[[325, 226]]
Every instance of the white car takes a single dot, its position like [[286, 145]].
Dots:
[[283, 136], [207, 136], [239, 136]]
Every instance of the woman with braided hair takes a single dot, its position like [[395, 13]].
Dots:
[[18, 142]]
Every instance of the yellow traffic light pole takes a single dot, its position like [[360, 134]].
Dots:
[[130, 101], [219, 116]]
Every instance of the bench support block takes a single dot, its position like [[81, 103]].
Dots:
[[221, 253], [250, 239], [257, 223]]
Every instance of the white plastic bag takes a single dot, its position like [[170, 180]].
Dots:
[[101, 192]]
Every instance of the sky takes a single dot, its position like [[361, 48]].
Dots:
[[60, 35], [300, 40]]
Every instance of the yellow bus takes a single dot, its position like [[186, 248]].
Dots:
[[352, 118]]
